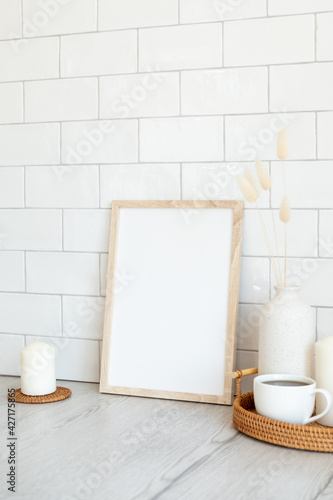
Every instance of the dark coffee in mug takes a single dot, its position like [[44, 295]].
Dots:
[[285, 383]]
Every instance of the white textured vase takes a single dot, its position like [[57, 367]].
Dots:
[[287, 335]]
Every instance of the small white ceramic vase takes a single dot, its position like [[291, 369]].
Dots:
[[287, 335]]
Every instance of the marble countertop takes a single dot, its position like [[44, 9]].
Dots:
[[100, 446]]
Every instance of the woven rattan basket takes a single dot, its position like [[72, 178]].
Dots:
[[313, 437]]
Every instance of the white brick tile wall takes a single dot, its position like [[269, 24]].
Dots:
[[23, 229], [114, 15], [10, 346], [139, 95], [32, 144], [181, 47], [302, 87], [11, 187], [139, 182], [59, 100], [100, 141], [76, 359], [84, 315], [154, 99], [62, 186], [255, 135], [62, 273], [181, 139], [324, 127], [26, 313], [269, 41], [309, 182], [198, 11], [224, 91], [29, 59], [11, 102], [86, 230], [57, 17], [10, 19], [280, 7], [324, 37], [99, 53], [12, 277]]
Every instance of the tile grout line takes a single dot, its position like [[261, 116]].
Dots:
[[22, 20], [62, 230], [217, 162], [139, 139], [98, 187], [222, 45], [97, 16], [315, 37], [174, 70], [59, 57], [137, 51], [25, 271], [62, 315], [170, 117], [268, 89], [183, 24], [180, 100], [181, 180]]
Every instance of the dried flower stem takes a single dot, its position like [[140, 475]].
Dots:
[[277, 247], [285, 254], [268, 245], [285, 226]]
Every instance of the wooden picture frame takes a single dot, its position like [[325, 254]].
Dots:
[[141, 360]]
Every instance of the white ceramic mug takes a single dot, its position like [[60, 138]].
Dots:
[[288, 398]]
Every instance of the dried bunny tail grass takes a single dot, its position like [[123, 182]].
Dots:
[[249, 192], [263, 175], [282, 144], [250, 177], [285, 210]]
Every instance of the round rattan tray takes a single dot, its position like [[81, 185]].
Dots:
[[314, 437], [58, 395]]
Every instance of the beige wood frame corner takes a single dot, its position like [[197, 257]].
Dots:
[[238, 209]]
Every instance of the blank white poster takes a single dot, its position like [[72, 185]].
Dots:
[[170, 302]]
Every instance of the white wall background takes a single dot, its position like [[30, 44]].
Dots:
[[153, 99]]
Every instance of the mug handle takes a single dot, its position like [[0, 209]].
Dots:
[[327, 409]]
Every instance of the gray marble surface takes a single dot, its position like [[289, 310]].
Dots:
[[99, 446]]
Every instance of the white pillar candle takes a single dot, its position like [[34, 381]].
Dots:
[[38, 369], [324, 376]]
